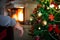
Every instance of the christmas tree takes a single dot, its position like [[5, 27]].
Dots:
[[45, 20]]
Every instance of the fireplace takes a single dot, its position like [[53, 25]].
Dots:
[[17, 14]]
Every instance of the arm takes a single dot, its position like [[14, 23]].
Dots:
[[4, 20], [7, 21]]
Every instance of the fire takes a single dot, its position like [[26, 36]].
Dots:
[[18, 16], [15, 17]]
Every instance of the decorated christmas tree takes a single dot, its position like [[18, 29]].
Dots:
[[45, 20]]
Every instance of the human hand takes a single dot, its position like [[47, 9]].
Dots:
[[20, 28]]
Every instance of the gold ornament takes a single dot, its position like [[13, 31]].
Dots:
[[39, 14], [44, 22]]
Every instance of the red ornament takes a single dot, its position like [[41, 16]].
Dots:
[[56, 29], [51, 17], [50, 28]]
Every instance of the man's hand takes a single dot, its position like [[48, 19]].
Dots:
[[20, 28]]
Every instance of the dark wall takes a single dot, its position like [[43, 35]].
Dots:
[[2, 3]]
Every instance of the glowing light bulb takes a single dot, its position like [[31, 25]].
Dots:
[[39, 28], [52, 6], [31, 18], [39, 14], [59, 6]]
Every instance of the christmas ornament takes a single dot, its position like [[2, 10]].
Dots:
[[51, 17], [56, 29], [54, 32], [45, 19], [44, 22], [50, 28], [39, 14]]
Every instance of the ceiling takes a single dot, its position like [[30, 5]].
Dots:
[[22, 1], [14, 2]]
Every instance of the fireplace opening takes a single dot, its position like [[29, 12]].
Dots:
[[17, 14]]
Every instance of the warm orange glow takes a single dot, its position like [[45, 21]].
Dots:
[[18, 15], [15, 17]]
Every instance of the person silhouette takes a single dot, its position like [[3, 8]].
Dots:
[[8, 21]]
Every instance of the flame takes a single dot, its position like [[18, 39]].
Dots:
[[15, 17], [18, 16]]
